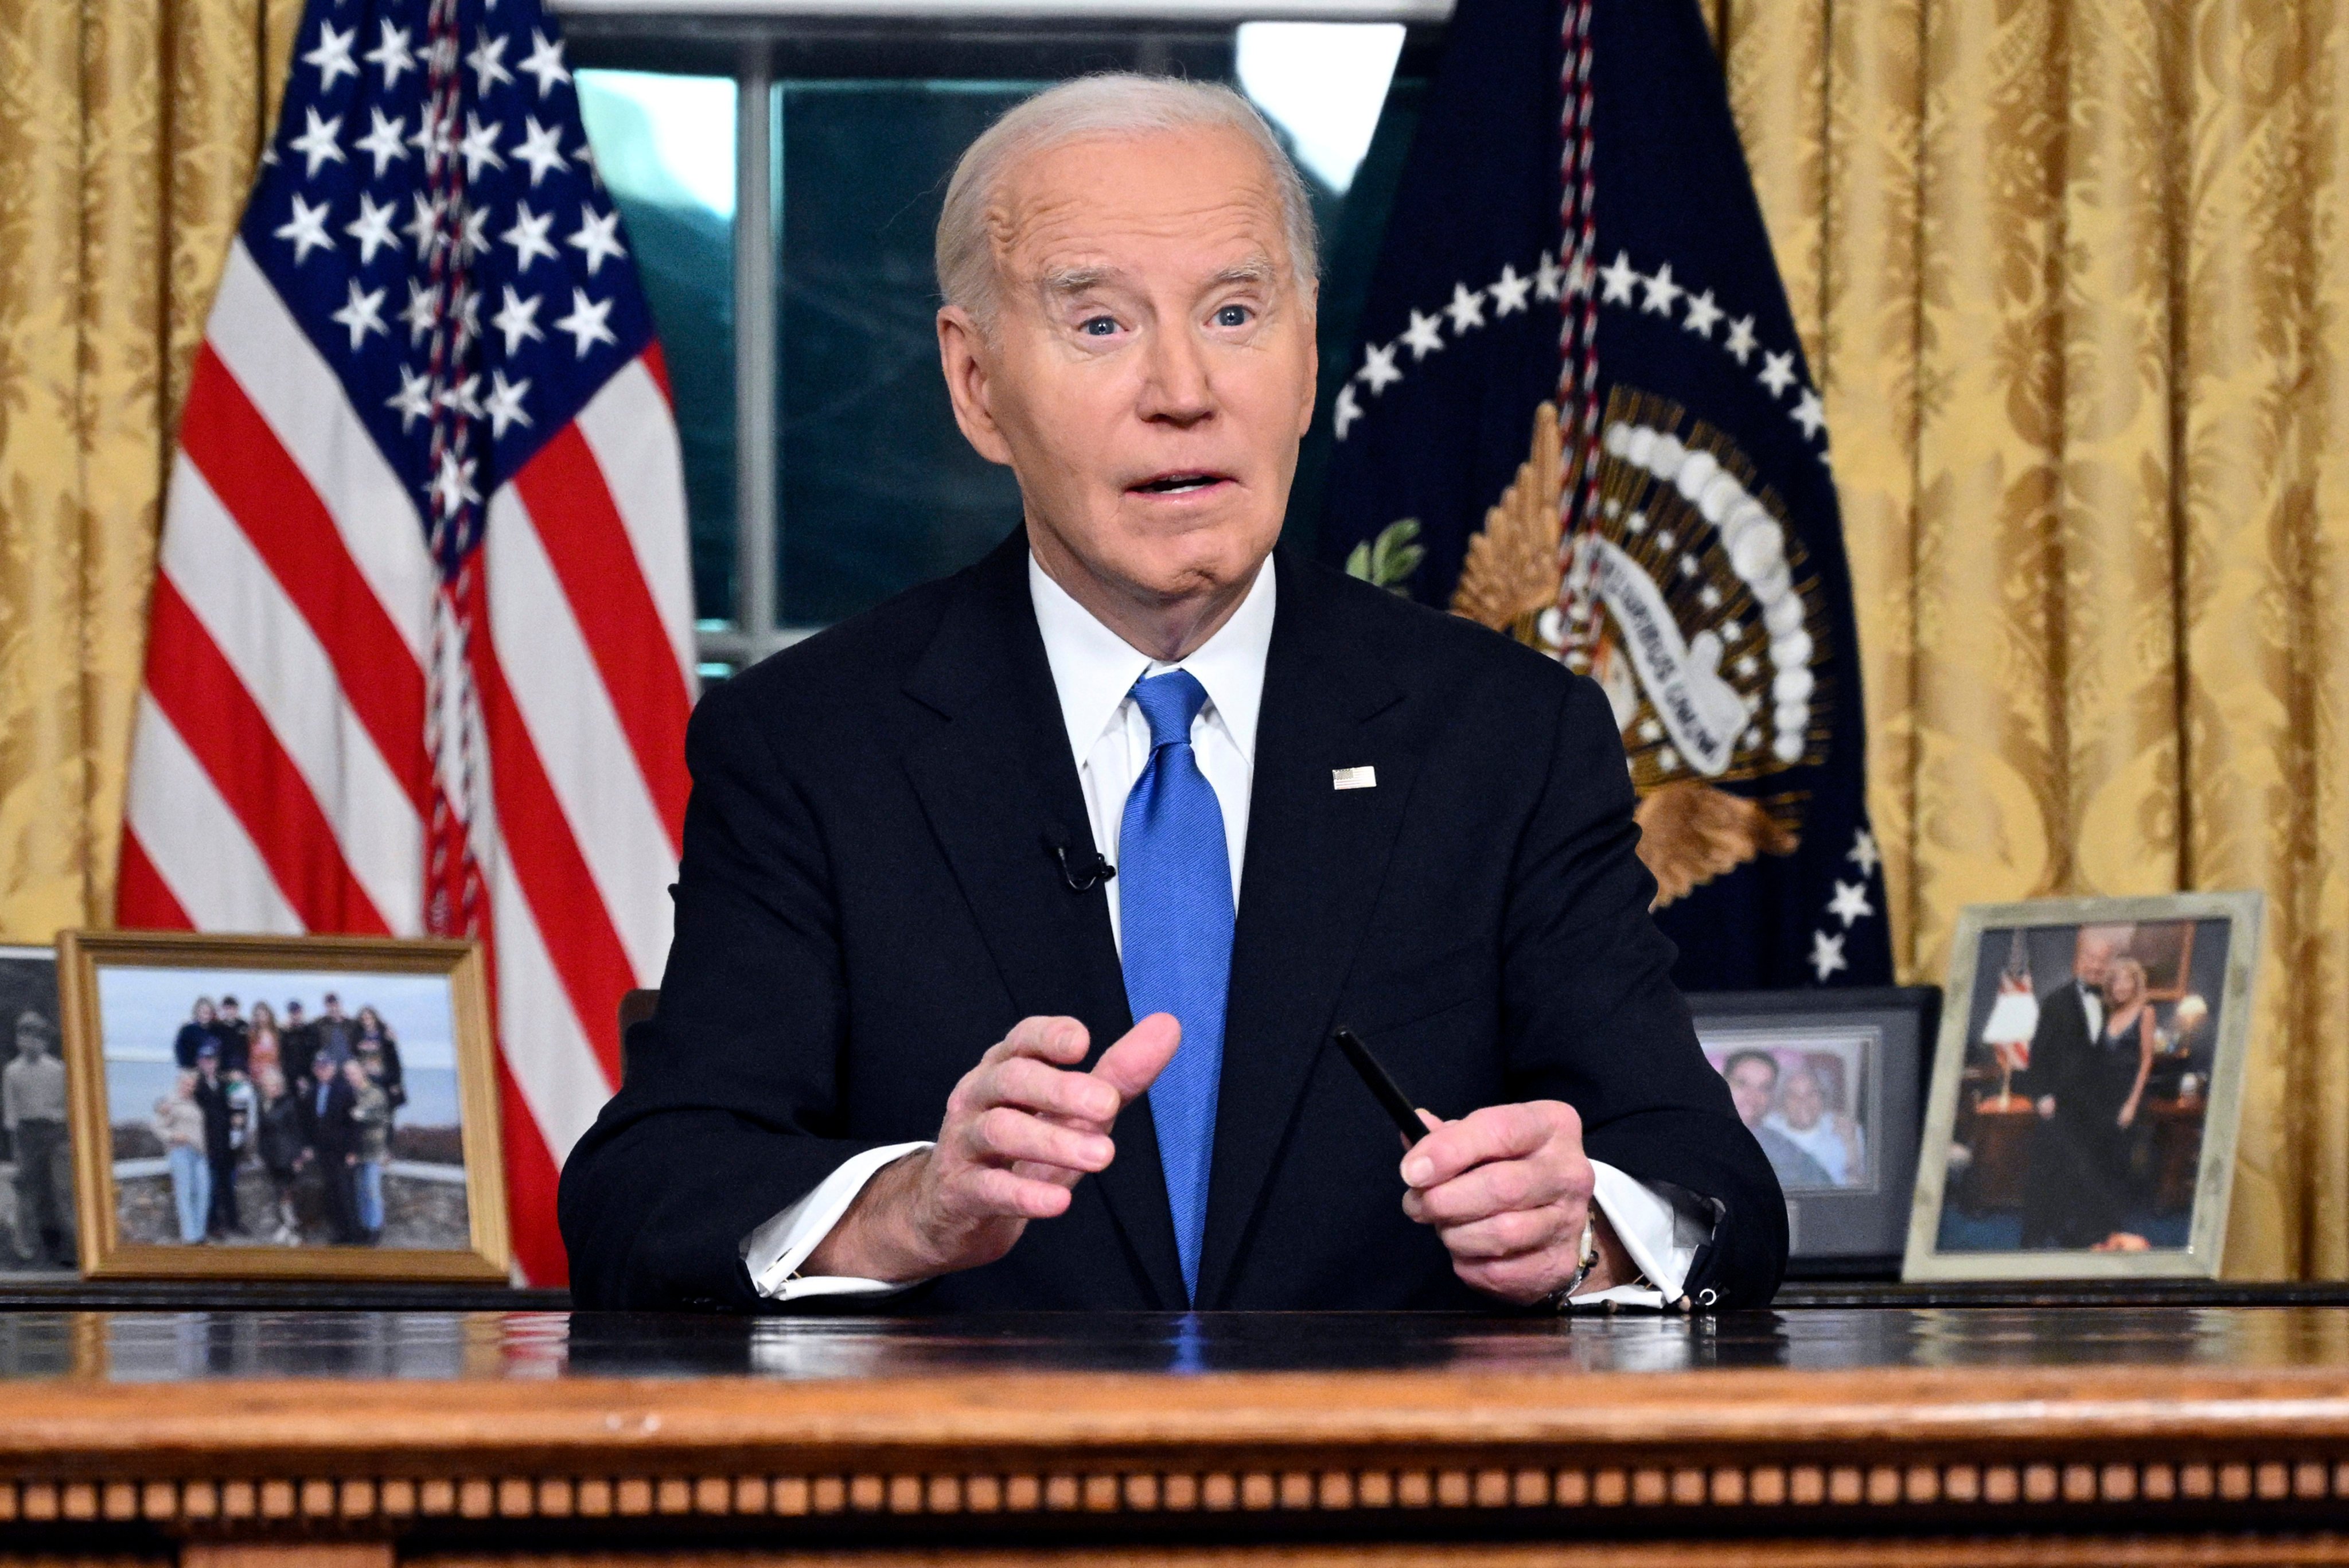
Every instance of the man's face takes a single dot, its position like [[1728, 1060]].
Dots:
[[1752, 1085], [2094, 960], [31, 1042], [334, 1008], [228, 1011], [1150, 367], [1804, 1104]]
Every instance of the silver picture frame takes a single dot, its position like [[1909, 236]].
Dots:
[[1990, 1157]]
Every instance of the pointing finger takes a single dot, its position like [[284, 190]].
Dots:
[[1052, 1039], [1134, 1062], [1038, 1086]]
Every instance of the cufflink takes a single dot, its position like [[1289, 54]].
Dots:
[[1354, 779]]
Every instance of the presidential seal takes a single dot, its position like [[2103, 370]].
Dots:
[[1683, 596]]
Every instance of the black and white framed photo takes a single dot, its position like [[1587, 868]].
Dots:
[[2088, 1089], [1829, 1084], [37, 1194]]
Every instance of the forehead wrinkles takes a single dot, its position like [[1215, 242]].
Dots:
[[1041, 220]]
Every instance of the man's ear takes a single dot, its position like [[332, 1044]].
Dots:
[[963, 358]]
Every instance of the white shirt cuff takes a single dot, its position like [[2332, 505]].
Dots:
[[1662, 1236], [774, 1251]]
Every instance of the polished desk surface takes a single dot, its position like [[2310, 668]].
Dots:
[[427, 1425], [159, 1347]]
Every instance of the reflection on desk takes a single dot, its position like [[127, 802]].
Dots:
[[503, 1433], [181, 1346]]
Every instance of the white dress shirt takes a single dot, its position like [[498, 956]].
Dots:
[[2092, 1002], [1094, 670]]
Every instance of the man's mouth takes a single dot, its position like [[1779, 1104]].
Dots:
[[1182, 483]]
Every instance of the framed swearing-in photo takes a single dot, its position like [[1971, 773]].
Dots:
[[37, 1203], [2088, 1089], [317, 1107], [1828, 1082]]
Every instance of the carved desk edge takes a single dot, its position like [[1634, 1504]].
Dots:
[[1997, 1447]]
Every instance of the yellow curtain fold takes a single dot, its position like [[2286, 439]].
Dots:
[[128, 129], [2075, 277]]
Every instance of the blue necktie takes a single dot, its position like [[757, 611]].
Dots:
[[1174, 906]]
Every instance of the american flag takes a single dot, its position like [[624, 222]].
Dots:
[[421, 651]]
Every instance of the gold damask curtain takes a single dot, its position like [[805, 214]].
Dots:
[[2074, 275], [128, 134]]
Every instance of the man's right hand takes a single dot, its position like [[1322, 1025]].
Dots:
[[1021, 1128]]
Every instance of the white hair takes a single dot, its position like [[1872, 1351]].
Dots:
[[1111, 104]]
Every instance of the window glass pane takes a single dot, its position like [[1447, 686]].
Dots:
[[877, 490], [665, 147]]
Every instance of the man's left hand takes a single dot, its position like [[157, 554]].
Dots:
[[1508, 1189]]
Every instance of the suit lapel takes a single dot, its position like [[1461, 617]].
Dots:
[[1315, 857], [992, 778]]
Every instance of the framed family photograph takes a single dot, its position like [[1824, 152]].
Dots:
[[316, 1107], [1829, 1083], [37, 1203], [2088, 1089]]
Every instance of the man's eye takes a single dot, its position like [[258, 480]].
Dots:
[[1099, 326], [1232, 316]]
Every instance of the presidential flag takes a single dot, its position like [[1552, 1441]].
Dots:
[[1581, 415], [420, 653]]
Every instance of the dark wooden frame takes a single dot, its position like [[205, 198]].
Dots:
[[1904, 1018]]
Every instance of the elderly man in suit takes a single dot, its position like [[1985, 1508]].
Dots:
[[2076, 1197], [918, 1043]]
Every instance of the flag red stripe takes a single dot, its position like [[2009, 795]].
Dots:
[[532, 1175], [656, 365], [272, 501], [532, 1178], [588, 543], [142, 899], [217, 718], [572, 919]]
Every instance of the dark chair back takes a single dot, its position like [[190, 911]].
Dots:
[[635, 1006]]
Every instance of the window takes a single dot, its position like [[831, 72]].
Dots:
[[781, 178]]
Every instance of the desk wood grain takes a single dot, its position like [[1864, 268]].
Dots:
[[497, 1434]]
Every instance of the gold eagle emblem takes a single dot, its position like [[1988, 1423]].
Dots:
[[1707, 697]]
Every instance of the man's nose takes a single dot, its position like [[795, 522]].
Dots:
[[1177, 389]]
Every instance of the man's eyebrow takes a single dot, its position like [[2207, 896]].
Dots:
[[1066, 281], [1076, 280], [1257, 269]]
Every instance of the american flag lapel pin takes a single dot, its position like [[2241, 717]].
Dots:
[[1354, 779]]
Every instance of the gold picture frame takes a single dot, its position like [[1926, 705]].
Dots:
[[2053, 1116], [85, 958]]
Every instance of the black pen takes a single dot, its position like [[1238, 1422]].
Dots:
[[1383, 1086]]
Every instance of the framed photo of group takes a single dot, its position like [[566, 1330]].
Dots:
[[2088, 1089], [254, 1107]]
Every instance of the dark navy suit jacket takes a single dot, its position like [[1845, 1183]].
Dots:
[[867, 903]]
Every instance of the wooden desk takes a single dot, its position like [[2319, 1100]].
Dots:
[[1930, 1435]]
